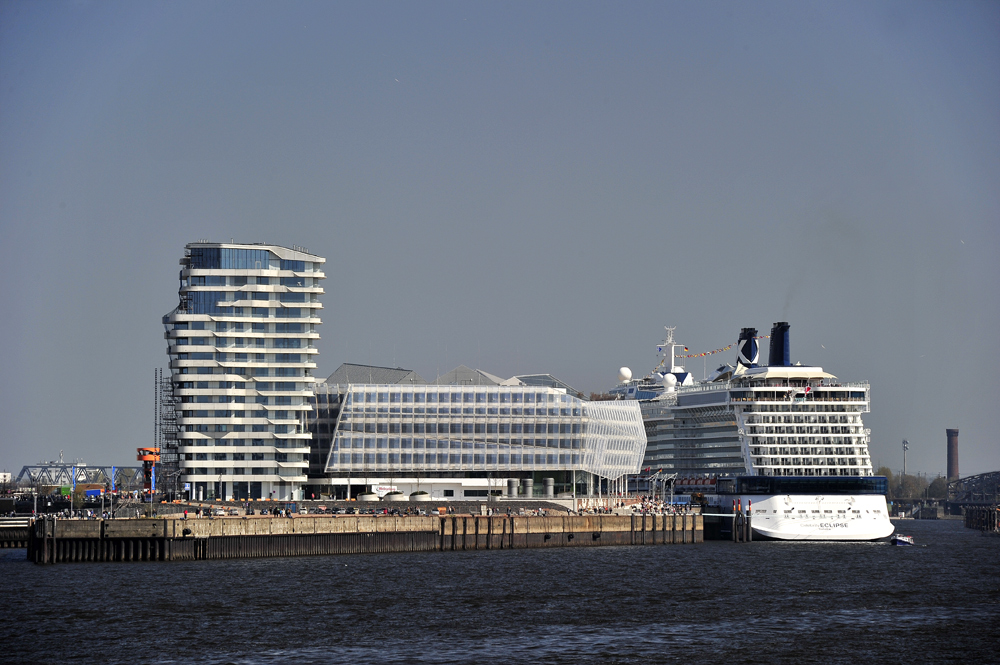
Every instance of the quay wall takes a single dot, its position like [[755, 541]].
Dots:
[[982, 518], [59, 541], [14, 533]]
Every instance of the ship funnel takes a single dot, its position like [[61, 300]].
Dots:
[[747, 353], [780, 355]]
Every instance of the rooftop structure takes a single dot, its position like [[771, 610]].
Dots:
[[351, 373]]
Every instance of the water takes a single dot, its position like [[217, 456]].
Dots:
[[779, 602]]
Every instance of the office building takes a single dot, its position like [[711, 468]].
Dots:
[[242, 349], [467, 435]]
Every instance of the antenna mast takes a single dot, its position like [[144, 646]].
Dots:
[[668, 343]]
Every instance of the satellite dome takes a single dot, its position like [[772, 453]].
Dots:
[[624, 374], [670, 380]]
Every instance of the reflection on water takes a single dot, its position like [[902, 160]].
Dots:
[[788, 602]]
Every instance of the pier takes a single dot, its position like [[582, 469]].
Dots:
[[14, 532], [171, 539], [982, 518]]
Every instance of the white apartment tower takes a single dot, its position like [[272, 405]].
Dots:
[[242, 348]]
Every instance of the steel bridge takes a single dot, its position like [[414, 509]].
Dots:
[[61, 474], [982, 489]]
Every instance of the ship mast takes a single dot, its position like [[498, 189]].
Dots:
[[667, 343]]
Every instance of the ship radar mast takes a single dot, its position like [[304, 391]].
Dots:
[[666, 348]]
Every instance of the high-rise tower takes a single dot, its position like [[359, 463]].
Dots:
[[242, 347], [952, 435]]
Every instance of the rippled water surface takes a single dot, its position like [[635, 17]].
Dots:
[[762, 602]]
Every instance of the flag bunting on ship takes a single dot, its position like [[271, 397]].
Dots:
[[712, 353]]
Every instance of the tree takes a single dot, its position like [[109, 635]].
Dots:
[[887, 472], [938, 489], [911, 487]]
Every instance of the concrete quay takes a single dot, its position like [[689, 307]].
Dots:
[[14, 532], [168, 539]]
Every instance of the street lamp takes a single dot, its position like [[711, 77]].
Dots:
[[906, 446]]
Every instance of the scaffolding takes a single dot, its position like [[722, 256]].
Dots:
[[165, 432]]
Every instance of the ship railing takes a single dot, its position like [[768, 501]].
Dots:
[[710, 387]]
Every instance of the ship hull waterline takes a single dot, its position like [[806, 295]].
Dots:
[[818, 518]]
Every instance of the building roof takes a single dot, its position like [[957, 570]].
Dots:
[[351, 373], [546, 380], [466, 376], [294, 252]]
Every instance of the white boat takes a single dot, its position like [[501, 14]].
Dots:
[[787, 439], [899, 539]]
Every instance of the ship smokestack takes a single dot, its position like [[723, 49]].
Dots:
[[747, 353], [952, 454], [780, 354]]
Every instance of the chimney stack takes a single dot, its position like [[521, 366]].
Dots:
[[952, 454], [780, 351], [747, 353]]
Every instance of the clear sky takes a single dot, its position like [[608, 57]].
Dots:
[[520, 187]]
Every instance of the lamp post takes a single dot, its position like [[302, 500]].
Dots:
[[906, 446]]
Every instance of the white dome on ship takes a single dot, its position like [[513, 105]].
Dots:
[[624, 374], [670, 380]]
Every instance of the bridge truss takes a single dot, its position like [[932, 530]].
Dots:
[[125, 477], [981, 489]]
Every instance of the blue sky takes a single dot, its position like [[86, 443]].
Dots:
[[521, 187]]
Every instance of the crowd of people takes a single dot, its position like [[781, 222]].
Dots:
[[650, 505]]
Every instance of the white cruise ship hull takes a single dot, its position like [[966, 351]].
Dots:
[[852, 517]]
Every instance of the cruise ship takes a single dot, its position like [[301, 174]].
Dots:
[[784, 442]]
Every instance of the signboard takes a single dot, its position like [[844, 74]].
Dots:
[[382, 490]]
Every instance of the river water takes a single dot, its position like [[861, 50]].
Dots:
[[774, 602]]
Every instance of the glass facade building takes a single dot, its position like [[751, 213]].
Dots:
[[469, 441], [241, 344]]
